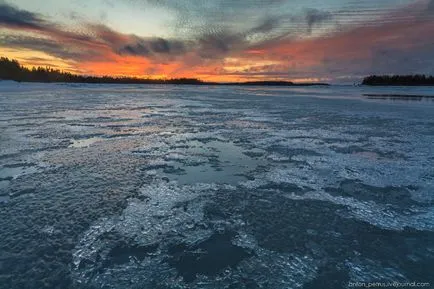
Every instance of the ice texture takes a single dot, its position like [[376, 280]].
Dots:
[[143, 186]]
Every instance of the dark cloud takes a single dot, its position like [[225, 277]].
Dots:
[[153, 46], [219, 27], [15, 18], [11, 16], [161, 45], [218, 45], [94, 44], [130, 44], [107, 35], [430, 8], [48, 46], [316, 17], [137, 49], [267, 25], [209, 44]]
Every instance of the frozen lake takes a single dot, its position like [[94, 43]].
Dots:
[[111, 186]]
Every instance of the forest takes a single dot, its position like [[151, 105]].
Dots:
[[404, 80]]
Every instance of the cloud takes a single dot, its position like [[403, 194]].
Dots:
[[149, 47], [218, 45], [208, 16], [134, 45], [135, 49], [396, 46], [161, 45], [316, 17], [106, 35], [96, 42], [11, 16], [210, 41], [14, 18], [48, 46], [430, 6], [268, 25]]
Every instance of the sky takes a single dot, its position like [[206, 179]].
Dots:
[[338, 41]]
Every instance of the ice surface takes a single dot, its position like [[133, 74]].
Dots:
[[82, 143], [109, 186]]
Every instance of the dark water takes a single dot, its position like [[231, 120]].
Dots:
[[109, 186]]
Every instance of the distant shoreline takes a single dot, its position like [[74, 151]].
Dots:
[[11, 70], [179, 82], [399, 80]]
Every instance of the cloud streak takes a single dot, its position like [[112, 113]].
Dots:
[[316, 17], [13, 17]]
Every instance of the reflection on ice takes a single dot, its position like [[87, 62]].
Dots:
[[210, 162]]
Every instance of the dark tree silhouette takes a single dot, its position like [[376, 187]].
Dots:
[[407, 80]]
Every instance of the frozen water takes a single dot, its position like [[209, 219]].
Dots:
[[82, 143], [141, 186]]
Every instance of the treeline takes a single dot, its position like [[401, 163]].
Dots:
[[12, 70], [405, 80]]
